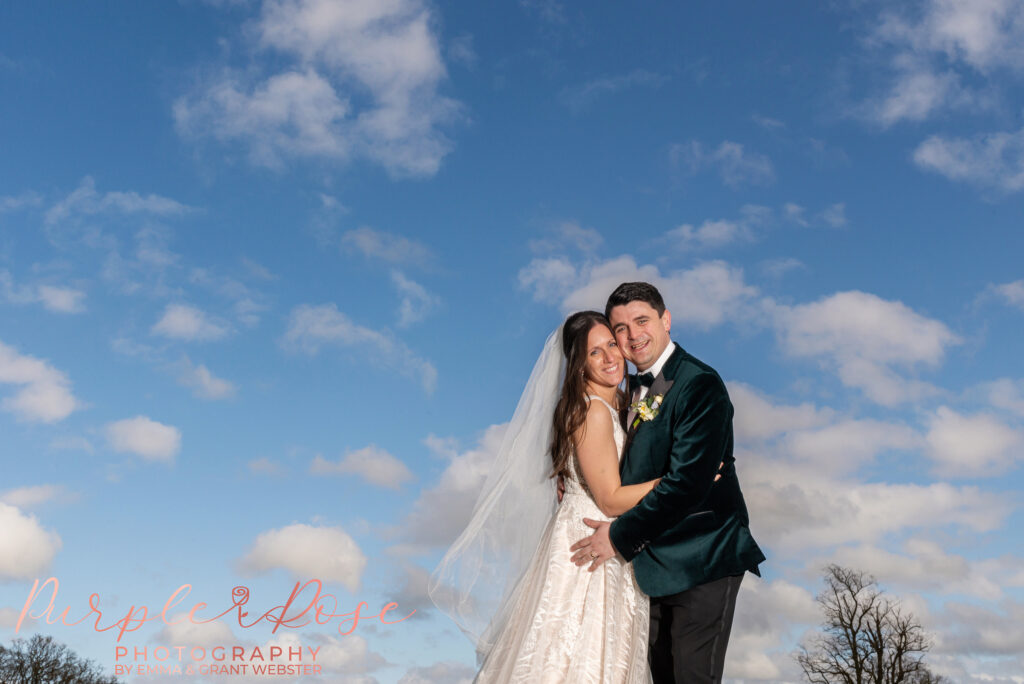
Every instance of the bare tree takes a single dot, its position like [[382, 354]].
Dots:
[[41, 660], [866, 637]]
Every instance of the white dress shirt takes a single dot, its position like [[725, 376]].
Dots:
[[656, 368]]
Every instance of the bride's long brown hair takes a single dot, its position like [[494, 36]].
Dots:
[[571, 410]]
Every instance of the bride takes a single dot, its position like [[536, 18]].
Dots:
[[533, 614]]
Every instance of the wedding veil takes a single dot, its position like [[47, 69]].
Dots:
[[475, 580]]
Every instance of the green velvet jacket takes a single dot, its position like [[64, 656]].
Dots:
[[690, 529]]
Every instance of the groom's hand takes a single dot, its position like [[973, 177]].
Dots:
[[595, 549]]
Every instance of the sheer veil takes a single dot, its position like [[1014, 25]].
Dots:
[[475, 580]]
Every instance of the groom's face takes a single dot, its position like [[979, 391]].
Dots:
[[641, 333]]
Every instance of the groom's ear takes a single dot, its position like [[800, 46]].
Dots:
[[666, 320]]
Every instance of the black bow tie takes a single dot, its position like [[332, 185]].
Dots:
[[645, 379]]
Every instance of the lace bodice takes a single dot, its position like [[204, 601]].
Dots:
[[575, 484]]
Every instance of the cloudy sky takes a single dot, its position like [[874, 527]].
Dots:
[[273, 275]]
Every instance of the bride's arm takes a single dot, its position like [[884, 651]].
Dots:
[[599, 461]]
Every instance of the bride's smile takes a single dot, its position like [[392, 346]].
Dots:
[[605, 364]]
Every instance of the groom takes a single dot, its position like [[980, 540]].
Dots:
[[688, 539]]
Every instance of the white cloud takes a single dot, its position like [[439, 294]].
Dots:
[[757, 418], [735, 165], [388, 247], [848, 323], [52, 297], [151, 249], [264, 466], [44, 393], [310, 327], [863, 336], [365, 83], [709, 234], [439, 673], [976, 445], [548, 278], [308, 552], [442, 511], [61, 299], [30, 497], [777, 268], [1013, 292], [342, 655], [933, 49], [246, 302], [917, 91], [461, 51], [442, 447], [26, 548], [204, 384], [85, 200], [417, 303], [767, 122], [795, 213], [983, 35], [567, 234], [765, 615], [856, 441], [72, 443], [977, 630], [16, 294], [183, 322], [924, 566], [701, 297], [993, 160], [795, 464], [834, 215], [258, 270], [581, 96], [9, 618], [551, 11], [752, 216], [144, 437], [1007, 395], [17, 202], [371, 463], [183, 632], [148, 265], [793, 507], [412, 593], [297, 113]]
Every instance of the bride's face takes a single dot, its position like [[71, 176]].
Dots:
[[604, 362]]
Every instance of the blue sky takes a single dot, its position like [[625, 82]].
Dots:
[[273, 275]]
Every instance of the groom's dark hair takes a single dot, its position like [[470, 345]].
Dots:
[[633, 292]]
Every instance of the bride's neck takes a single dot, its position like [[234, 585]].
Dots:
[[609, 394]]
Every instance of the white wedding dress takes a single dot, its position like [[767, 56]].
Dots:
[[567, 624]]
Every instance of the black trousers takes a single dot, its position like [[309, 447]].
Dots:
[[690, 632]]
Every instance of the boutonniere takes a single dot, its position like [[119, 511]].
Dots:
[[646, 409]]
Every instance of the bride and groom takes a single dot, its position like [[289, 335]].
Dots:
[[652, 506]]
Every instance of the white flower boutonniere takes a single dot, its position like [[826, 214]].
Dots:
[[646, 409]]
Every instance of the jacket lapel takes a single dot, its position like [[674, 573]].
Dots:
[[661, 385], [628, 417]]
